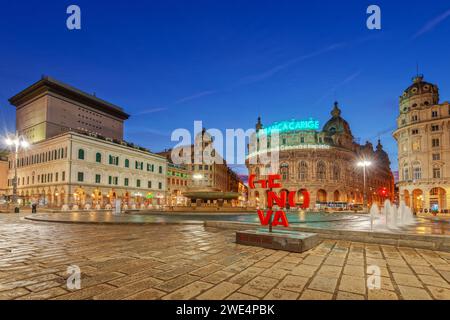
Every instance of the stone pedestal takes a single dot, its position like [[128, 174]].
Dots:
[[292, 241]]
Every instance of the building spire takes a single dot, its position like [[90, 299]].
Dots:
[[336, 112], [259, 124], [379, 145]]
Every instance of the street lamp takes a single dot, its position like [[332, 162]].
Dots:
[[17, 142], [364, 164]]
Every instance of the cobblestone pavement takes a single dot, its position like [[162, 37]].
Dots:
[[191, 262]]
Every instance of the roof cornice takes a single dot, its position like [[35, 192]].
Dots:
[[48, 84]]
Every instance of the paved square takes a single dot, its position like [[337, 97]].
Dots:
[[191, 262]]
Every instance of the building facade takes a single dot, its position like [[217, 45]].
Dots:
[[210, 179], [49, 107], [78, 156], [79, 169], [177, 184], [3, 174], [324, 163], [423, 138]]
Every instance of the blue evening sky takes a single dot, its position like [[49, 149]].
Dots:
[[169, 63]]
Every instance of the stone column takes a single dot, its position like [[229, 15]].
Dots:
[[312, 198], [447, 199]]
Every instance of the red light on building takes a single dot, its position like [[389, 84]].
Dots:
[[383, 192]]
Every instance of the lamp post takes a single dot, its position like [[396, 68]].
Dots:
[[364, 164], [16, 143]]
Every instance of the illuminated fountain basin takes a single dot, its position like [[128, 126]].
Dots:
[[377, 221], [425, 233]]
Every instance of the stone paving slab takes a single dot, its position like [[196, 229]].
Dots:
[[399, 239], [194, 262]]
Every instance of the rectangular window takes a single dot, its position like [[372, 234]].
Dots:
[[80, 176], [415, 131], [63, 177], [436, 173], [116, 180], [435, 127], [435, 142], [436, 156], [113, 160], [56, 176], [414, 118], [98, 178], [125, 182], [159, 185], [434, 114], [138, 183], [109, 180], [160, 169], [302, 139]]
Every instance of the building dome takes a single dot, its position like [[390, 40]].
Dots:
[[337, 124], [420, 93], [380, 153]]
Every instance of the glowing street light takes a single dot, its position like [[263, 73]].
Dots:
[[364, 164], [16, 143]]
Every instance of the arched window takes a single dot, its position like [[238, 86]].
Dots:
[[417, 171], [284, 168], [405, 172], [98, 157], [81, 154], [303, 171], [321, 171], [336, 172]]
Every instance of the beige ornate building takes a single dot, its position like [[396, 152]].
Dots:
[[423, 137], [208, 183], [324, 163], [80, 169], [3, 173], [78, 156]]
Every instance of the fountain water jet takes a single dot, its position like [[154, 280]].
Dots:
[[391, 217]]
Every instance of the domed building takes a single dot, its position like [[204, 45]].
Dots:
[[324, 163], [423, 147]]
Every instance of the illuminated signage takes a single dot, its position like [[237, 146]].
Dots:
[[292, 125], [279, 217]]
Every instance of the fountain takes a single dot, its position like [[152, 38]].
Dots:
[[391, 217]]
